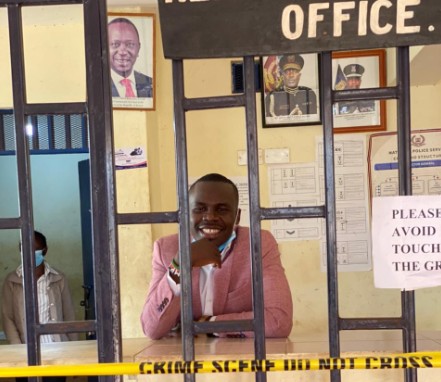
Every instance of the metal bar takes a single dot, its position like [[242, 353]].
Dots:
[[56, 108], [105, 244], [84, 131], [2, 133], [293, 212], [148, 217], [371, 323], [10, 223], [405, 188], [24, 184], [254, 199], [39, 2], [68, 131], [50, 132], [187, 329], [67, 327], [331, 230], [223, 326], [366, 94], [214, 102]]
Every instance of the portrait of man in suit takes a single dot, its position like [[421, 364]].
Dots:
[[124, 50]]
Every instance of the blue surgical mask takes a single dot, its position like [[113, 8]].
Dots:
[[38, 257]]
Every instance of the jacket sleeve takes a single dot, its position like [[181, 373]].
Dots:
[[9, 326], [277, 295], [68, 307], [161, 311]]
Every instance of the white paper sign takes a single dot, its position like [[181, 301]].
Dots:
[[406, 241]]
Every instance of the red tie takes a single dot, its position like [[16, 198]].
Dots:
[[128, 85]]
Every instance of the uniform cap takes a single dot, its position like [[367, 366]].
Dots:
[[353, 70], [292, 61]]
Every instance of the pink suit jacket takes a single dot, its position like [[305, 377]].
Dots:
[[232, 288]]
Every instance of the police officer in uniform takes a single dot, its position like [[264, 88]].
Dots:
[[353, 74], [290, 98]]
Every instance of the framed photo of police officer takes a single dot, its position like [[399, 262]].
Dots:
[[359, 70], [131, 39], [290, 90]]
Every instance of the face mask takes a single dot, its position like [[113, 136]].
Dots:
[[228, 242], [38, 257]]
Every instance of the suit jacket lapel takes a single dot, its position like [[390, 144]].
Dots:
[[221, 282]]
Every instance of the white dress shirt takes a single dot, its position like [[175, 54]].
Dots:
[[43, 301], [116, 78], [206, 284]]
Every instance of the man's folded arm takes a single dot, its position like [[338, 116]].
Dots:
[[162, 308]]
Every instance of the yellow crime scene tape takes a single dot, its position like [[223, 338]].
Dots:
[[390, 361]]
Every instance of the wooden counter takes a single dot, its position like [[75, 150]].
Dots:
[[71, 353], [360, 343]]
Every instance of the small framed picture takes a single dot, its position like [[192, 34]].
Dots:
[[132, 60], [290, 94], [358, 70]]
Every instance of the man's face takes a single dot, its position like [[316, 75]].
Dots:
[[353, 83], [213, 211], [123, 48], [291, 77]]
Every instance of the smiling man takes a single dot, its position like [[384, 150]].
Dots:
[[124, 46], [221, 274]]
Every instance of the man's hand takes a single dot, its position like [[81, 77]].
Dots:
[[203, 252]]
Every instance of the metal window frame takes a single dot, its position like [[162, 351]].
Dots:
[[98, 107], [50, 133]]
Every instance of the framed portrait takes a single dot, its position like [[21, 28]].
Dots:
[[290, 90], [132, 60], [358, 70]]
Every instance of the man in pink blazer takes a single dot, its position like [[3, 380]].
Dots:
[[221, 268]]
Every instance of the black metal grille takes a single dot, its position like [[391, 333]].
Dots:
[[237, 77], [47, 134]]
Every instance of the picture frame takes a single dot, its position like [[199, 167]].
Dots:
[[290, 90], [131, 39], [359, 69]]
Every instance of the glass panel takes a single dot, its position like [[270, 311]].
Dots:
[[57, 214], [9, 205], [9, 261], [5, 73]]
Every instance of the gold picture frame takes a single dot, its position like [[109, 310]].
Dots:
[[131, 39]]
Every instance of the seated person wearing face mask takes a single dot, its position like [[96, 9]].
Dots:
[[54, 299]]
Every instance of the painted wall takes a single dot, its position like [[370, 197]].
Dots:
[[214, 137]]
